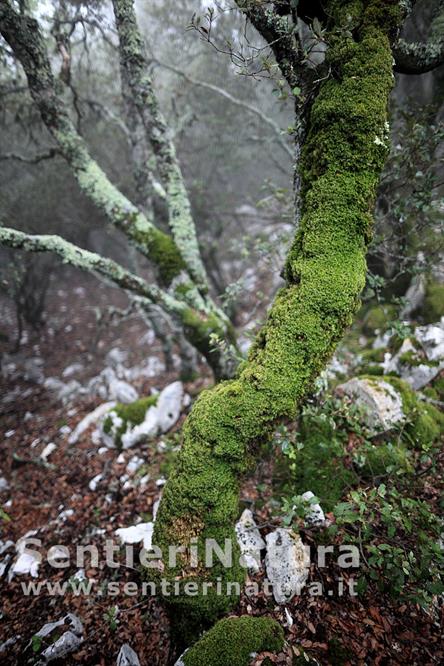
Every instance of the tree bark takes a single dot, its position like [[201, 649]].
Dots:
[[341, 162]]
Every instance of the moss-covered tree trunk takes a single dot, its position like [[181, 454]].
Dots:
[[325, 272]]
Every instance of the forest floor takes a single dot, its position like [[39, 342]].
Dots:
[[55, 500]]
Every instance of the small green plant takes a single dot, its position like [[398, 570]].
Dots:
[[111, 617], [398, 537], [36, 644], [4, 516], [296, 507]]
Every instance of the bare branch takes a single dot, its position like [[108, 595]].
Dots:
[[35, 159], [276, 31], [233, 100]]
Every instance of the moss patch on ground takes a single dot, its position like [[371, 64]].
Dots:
[[232, 641], [122, 416]]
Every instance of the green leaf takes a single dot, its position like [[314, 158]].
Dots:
[[317, 28]]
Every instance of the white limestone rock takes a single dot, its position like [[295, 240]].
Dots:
[[89, 420], [116, 357], [431, 338], [250, 541], [143, 532], [73, 369], [68, 642], [49, 448], [28, 561], [127, 656], [148, 428], [121, 391], [287, 564], [134, 464], [416, 374], [315, 515], [159, 418], [169, 405], [93, 484], [381, 403]]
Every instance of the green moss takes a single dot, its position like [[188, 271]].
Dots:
[[373, 355], [438, 386], [132, 414], [410, 358], [433, 308], [378, 319], [163, 252], [375, 370], [427, 426], [425, 423], [232, 641]]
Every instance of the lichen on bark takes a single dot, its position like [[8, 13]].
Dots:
[[325, 273]]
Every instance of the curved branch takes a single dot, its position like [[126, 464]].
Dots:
[[276, 32], [24, 36], [418, 57], [91, 262], [233, 100], [199, 329]]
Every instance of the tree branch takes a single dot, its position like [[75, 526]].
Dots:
[[134, 68], [89, 261], [23, 35], [233, 100], [35, 159], [275, 30], [418, 57], [199, 330], [422, 57]]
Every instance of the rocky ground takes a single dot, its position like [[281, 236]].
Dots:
[[64, 485]]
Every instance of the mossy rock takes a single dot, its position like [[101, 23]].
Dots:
[[425, 423], [129, 415], [232, 641], [433, 308], [373, 355], [375, 370], [378, 318]]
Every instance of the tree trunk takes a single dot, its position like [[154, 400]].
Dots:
[[341, 162]]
